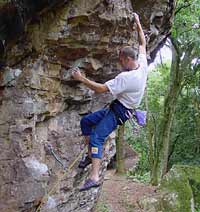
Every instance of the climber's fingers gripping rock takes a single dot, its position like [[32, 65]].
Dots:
[[136, 18], [76, 74]]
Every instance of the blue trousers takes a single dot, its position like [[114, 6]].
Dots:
[[99, 125]]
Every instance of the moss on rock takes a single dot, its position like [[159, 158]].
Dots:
[[185, 181], [179, 191]]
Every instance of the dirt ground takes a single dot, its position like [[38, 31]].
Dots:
[[120, 194]]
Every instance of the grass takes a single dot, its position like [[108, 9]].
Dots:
[[140, 178], [102, 207], [126, 204]]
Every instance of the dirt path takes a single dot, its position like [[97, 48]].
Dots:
[[120, 194]]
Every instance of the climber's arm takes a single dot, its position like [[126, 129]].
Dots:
[[141, 37], [97, 87]]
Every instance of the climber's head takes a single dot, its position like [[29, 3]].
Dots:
[[128, 57]]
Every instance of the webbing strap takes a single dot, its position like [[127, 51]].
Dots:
[[117, 115], [60, 177]]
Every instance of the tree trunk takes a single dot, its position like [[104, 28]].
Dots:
[[152, 153], [120, 168], [197, 120], [176, 76], [154, 173], [178, 69], [166, 127]]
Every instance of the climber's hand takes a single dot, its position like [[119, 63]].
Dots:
[[76, 74], [136, 18]]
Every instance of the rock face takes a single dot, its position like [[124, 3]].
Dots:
[[39, 102], [178, 191]]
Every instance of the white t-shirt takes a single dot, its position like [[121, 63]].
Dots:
[[128, 87]]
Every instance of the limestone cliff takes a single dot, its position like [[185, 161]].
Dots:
[[40, 103]]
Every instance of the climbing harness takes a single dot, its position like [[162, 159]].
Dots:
[[138, 115], [67, 170], [135, 117], [117, 113]]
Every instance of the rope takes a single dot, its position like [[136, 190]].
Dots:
[[45, 197]]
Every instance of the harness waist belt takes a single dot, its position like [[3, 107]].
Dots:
[[120, 115]]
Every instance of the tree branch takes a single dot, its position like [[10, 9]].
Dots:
[[182, 7], [176, 45], [173, 147]]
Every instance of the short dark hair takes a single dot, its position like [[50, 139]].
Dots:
[[129, 51]]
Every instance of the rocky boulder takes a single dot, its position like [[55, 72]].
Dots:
[[178, 191]]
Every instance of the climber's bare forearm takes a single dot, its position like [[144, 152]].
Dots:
[[97, 87], [141, 36]]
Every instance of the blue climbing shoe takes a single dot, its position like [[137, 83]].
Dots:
[[89, 184]]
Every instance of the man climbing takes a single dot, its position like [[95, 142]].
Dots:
[[127, 88]]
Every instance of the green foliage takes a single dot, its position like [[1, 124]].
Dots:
[[183, 134], [186, 22], [140, 145], [157, 87], [142, 178]]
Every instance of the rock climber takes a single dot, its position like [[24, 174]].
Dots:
[[127, 88]]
